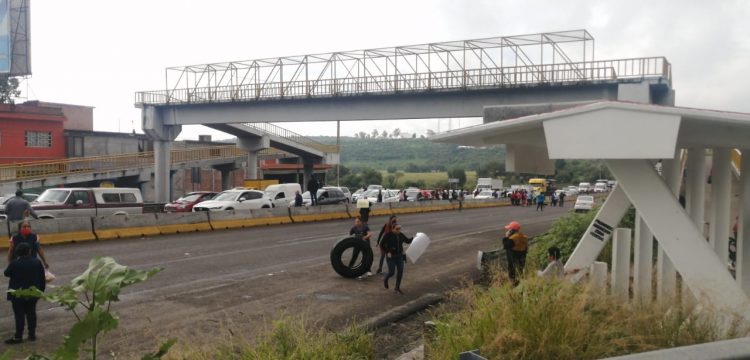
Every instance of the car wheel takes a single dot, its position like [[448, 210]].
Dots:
[[361, 264], [265, 207]]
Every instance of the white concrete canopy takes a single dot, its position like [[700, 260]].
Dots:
[[628, 137]]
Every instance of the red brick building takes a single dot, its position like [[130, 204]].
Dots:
[[31, 133]]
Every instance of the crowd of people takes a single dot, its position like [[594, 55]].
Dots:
[[523, 197]]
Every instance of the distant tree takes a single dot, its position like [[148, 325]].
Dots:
[[458, 173], [390, 181], [430, 132], [414, 136], [412, 167], [384, 134], [374, 133], [391, 169], [8, 89], [370, 176], [396, 133], [491, 169]]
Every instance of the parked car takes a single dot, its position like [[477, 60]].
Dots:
[[584, 188], [388, 195], [343, 189], [236, 199], [71, 202], [357, 194], [186, 203], [571, 191], [331, 195], [5, 198], [600, 187], [584, 203], [280, 194], [484, 194]]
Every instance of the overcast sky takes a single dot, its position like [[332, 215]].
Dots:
[[99, 53]]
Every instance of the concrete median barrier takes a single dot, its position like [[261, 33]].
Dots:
[[273, 216], [64, 230], [405, 207], [123, 226], [174, 223], [319, 213], [230, 219], [381, 209]]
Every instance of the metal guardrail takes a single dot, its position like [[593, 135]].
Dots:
[[292, 136], [470, 79], [71, 166]]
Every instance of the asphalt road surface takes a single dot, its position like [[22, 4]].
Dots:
[[225, 284]]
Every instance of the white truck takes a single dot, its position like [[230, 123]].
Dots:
[[489, 183]]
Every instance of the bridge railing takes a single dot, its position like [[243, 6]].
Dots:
[[736, 161], [70, 166], [525, 75], [292, 136]]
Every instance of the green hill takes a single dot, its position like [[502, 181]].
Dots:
[[411, 155]]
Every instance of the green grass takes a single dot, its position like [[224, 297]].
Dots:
[[431, 179], [543, 319]]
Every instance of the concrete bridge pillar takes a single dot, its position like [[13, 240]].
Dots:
[[721, 186], [226, 175], [252, 145], [152, 123], [307, 171], [743, 225], [666, 274]]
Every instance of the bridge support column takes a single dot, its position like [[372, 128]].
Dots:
[[152, 123], [307, 171], [666, 275], [701, 270], [721, 185], [252, 145], [642, 260], [743, 226]]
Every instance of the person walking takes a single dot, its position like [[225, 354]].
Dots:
[[516, 244], [364, 213], [28, 237], [361, 231], [394, 249], [561, 200], [387, 228], [24, 272], [17, 208], [380, 196], [312, 187], [540, 201]]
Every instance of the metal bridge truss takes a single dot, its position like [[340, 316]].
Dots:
[[543, 58]]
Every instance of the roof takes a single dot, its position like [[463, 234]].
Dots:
[[611, 130]]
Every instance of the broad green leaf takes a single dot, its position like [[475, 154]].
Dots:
[[94, 323], [105, 277]]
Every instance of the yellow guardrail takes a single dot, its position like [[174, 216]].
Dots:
[[69, 166]]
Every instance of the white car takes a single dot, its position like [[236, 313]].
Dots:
[[236, 199], [484, 194], [600, 187], [571, 191], [584, 203], [388, 195]]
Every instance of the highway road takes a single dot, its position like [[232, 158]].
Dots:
[[220, 284]]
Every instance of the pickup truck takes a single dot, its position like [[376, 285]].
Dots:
[[72, 202]]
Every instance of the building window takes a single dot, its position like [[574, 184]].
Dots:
[[39, 139]]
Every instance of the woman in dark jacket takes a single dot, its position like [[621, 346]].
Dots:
[[387, 227], [393, 243]]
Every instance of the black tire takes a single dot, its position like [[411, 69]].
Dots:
[[359, 268]]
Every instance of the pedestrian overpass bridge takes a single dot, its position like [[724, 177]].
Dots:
[[435, 80]]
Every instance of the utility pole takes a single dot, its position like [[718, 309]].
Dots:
[[338, 145]]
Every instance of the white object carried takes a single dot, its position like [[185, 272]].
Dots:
[[417, 247], [363, 203]]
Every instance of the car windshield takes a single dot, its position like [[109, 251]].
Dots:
[[225, 196], [54, 196], [586, 198], [372, 193], [190, 198]]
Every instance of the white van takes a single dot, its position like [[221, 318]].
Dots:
[[600, 187], [584, 188], [281, 194]]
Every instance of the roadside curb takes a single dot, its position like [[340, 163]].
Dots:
[[402, 311]]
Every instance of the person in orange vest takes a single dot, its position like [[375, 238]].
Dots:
[[516, 245]]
